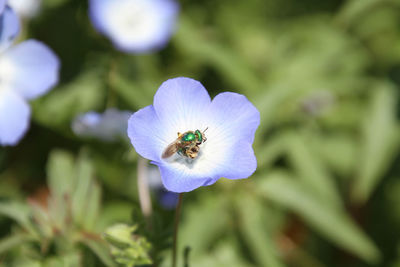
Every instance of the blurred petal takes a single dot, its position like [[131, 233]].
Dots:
[[107, 126], [135, 25], [9, 27], [146, 133], [14, 117], [25, 8], [2, 6], [30, 68]]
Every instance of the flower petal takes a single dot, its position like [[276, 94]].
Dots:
[[14, 117], [9, 27], [233, 116], [2, 6], [146, 133], [242, 162], [25, 8], [30, 67], [135, 25], [178, 180], [180, 104]]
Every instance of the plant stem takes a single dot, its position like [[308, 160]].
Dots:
[[176, 228], [144, 192]]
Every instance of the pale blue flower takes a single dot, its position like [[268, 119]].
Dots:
[[107, 126], [27, 71], [182, 105], [9, 26], [2, 5], [25, 8], [135, 26]]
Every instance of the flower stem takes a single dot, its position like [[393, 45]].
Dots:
[[176, 228], [144, 192]]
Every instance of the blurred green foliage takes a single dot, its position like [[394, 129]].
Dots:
[[325, 76]]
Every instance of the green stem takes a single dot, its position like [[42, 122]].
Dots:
[[176, 228]]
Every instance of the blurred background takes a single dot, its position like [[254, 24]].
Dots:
[[325, 76]]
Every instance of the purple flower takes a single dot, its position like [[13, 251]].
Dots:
[[135, 26], [9, 26], [27, 70], [182, 105], [107, 126], [25, 8], [2, 5]]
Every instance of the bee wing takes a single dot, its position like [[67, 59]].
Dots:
[[170, 150]]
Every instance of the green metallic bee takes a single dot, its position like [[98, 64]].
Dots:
[[187, 144]]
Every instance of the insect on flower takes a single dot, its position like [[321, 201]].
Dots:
[[191, 159], [187, 144]]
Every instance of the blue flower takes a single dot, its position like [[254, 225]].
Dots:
[[9, 26], [182, 105], [25, 8], [2, 5], [27, 70], [108, 126], [135, 26]]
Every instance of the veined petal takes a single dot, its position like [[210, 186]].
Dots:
[[9, 26], [180, 104], [179, 180], [233, 116], [14, 117], [146, 133], [135, 25], [30, 68]]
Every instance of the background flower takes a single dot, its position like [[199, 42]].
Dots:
[[181, 105], [25, 8], [107, 126], [135, 26], [27, 71], [9, 26]]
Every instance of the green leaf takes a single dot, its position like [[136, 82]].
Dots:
[[311, 170], [380, 142], [201, 217], [353, 9], [93, 207], [114, 212], [13, 241], [331, 222], [68, 260], [222, 58], [20, 213], [83, 184], [100, 249], [226, 254], [60, 173], [59, 107], [255, 233], [60, 178]]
